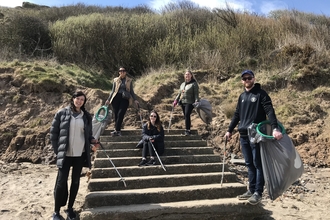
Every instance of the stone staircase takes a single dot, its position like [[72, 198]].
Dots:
[[189, 188]]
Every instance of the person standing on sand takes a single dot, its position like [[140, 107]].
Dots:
[[71, 137], [253, 106]]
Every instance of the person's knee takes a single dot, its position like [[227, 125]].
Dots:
[[75, 182]]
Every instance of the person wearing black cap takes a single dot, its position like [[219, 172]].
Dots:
[[253, 106]]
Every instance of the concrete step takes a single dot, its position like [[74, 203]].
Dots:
[[168, 151], [127, 132], [163, 194], [134, 161], [170, 180], [211, 209], [189, 188], [168, 143], [137, 138], [155, 170]]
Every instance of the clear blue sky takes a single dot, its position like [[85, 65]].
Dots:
[[261, 7]]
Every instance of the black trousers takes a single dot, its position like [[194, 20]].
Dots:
[[147, 148], [119, 105], [187, 110], [61, 185]]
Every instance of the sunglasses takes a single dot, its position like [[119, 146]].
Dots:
[[247, 78], [153, 116], [122, 70]]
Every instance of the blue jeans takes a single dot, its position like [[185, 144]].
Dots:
[[251, 153]]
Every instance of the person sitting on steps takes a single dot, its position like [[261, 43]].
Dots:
[[152, 133]]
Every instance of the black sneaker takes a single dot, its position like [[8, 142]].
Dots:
[[56, 216], [118, 133], [255, 199], [113, 133], [142, 163], [187, 133], [71, 214], [151, 162], [245, 196]]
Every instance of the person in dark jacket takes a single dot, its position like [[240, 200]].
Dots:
[[121, 85], [187, 96], [253, 106], [152, 133], [71, 136]]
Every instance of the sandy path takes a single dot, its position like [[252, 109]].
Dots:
[[26, 192]]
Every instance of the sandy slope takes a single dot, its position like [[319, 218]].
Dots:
[[26, 192]]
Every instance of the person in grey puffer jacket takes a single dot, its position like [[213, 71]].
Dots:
[[187, 96], [71, 137]]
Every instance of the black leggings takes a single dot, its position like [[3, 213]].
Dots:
[[187, 109], [148, 148], [119, 105], [61, 185]]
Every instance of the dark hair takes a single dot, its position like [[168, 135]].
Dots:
[[158, 123], [73, 107]]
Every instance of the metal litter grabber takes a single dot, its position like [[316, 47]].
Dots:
[[157, 156], [223, 162], [170, 122], [121, 178], [139, 110]]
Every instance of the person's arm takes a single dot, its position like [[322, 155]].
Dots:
[[176, 100], [133, 95], [54, 131], [111, 93], [132, 91], [234, 121], [160, 135], [269, 109], [196, 92], [145, 133], [267, 105]]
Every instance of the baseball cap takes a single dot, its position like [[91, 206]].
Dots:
[[247, 72]]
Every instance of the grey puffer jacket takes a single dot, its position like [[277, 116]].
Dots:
[[59, 135]]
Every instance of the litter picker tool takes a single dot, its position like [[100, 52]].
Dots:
[[121, 178], [139, 110], [157, 156], [170, 122], [223, 161]]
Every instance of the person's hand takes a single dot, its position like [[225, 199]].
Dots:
[[175, 103], [107, 102], [277, 134], [88, 175], [96, 144], [228, 135]]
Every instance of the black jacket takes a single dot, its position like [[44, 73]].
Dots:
[[253, 107], [153, 133], [59, 135]]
